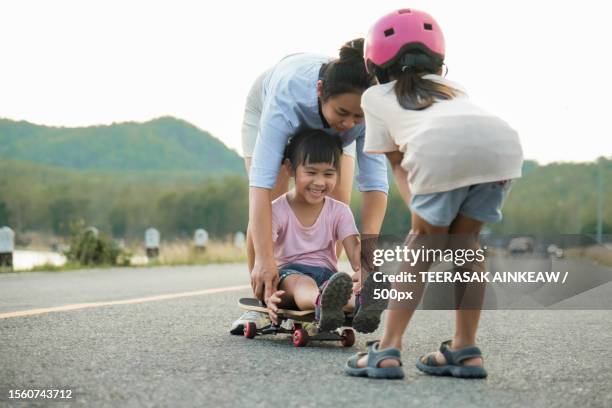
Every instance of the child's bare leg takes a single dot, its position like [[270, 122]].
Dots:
[[399, 313], [469, 297], [300, 290]]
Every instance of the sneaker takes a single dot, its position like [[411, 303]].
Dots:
[[369, 310], [260, 320], [335, 293]]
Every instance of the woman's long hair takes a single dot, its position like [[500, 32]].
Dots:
[[347, 73]]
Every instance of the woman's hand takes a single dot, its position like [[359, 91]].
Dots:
[[264, 278]]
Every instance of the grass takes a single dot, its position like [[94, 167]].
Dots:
[[56, 268], [184, 253], [171, 254]]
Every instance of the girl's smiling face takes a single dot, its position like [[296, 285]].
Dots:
[[313, 181], [342, 111]]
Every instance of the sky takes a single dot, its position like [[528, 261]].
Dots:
[[541, 65]]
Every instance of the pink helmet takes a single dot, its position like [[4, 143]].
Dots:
[[399, 32]]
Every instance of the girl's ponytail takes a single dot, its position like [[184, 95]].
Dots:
[[411, 89]]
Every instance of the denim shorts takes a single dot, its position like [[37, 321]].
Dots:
[[482, 202], [318, 273]]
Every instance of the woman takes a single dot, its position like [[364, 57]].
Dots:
[[305, 90]]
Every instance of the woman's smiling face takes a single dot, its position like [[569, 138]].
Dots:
[[342, 111]]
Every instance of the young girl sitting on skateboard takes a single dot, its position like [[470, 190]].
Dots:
[[306, 224]]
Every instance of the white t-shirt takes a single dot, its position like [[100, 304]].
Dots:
[[449, 145]]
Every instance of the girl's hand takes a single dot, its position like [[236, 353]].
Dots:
[[273, 301]]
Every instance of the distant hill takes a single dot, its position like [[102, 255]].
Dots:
[[163, 145]]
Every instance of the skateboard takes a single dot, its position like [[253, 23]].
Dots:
[[293, 322]]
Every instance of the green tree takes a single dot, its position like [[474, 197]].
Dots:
[[65, 211], [118, 222], [5, 214]]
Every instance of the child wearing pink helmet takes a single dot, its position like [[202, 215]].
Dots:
[[453, 163]]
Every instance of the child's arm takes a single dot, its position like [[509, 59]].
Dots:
[[401, 176], [352, 246]]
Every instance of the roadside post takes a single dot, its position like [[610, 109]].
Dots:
[[152, 238], [7, 247], [200, 238]]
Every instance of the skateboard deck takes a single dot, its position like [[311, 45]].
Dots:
[[298, 318], [258, 306]]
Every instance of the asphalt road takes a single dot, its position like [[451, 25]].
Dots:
[[177, 351]]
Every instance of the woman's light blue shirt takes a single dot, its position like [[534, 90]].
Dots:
[[290, 102]]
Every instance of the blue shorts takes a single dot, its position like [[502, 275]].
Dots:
[[318, 273], [482, 202]]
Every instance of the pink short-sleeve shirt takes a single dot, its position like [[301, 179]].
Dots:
[[314, 245]]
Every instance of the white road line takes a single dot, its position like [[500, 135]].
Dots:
[[79, 306]]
